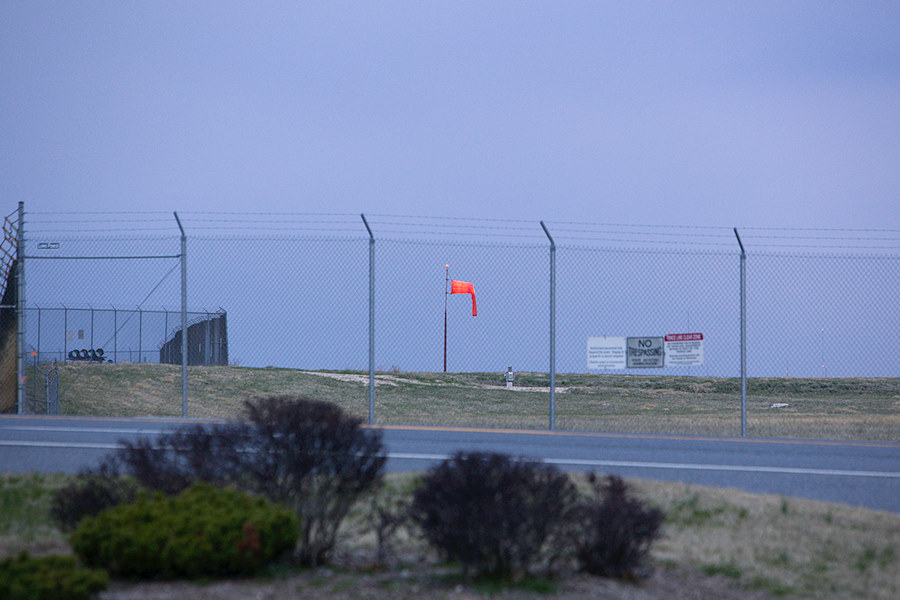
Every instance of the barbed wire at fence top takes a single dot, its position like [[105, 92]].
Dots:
[[246, 225]]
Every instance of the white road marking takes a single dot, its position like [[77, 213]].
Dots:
[[82, 445], [90, 430], [678, 466], [436, 457]]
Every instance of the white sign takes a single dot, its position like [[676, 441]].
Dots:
[[605, 353], [645, 353], [684, 349]]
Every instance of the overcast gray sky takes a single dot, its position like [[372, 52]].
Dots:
[[748, 114], [670, 122]]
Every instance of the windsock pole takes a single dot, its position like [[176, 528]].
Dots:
[[446, 291]]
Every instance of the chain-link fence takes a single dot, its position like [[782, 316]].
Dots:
[[43, 387], [820, 335], [123, 335], [300, 315]]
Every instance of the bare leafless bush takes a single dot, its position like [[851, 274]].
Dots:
[[491, 512]]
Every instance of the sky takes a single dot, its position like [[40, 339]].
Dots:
[[657, 125], [724, 114]]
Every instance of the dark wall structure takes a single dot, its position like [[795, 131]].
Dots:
[[9, 323], [207, 341]]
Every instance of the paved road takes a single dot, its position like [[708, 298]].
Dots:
[[855, 473]]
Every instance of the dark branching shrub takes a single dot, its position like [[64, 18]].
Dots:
[[88, 494], [492, 513], [175, 461], [317, 460], [388, 511], [306, 454], [614, 530], [202, 532], [48, 578]]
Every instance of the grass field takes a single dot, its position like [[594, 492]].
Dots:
[[837, 408]]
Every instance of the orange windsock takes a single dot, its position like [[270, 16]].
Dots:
[[464, 287]]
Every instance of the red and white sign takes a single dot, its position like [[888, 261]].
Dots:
[[684, 349], [683, 337]]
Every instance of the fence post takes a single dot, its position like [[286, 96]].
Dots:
[[34, 371], [166, 331], [552, 328], [743, 335], [20, 311], [115, 334], [53, 389], [371, 321], [184, 344], [38, 355], [208, 343]]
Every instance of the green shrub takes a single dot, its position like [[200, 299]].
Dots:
[[494, 514], [202, 532], [48, 578]]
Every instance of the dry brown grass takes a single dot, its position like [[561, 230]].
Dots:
[[862, 409], [791, 547]]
